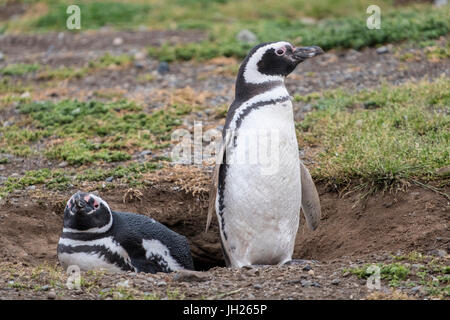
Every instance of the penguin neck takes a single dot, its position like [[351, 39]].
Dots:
[[94, 230], [245, 90]]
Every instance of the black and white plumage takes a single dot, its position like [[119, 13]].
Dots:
[[258, 202], [94, 237]]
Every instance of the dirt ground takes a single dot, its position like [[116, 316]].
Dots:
[[381, 229]]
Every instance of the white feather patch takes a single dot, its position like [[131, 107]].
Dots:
[[276, 93], [156, 247], [251, 73], [87, 261]]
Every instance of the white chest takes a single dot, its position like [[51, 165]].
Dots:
[[262, 195]]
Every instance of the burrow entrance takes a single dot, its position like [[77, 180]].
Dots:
[[415, 220]]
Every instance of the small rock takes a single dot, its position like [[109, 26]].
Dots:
[[138, 65], [31, 188], [311, 272], [306, 283], [383, 50], [124, 284], [257, 286], [444, 171], [439, 253], [415, 290], [161, 284], [25, 95], [2, 167], [440, 3], [308, 20], [144, 153], [63, 164], [307, 267], [60, 36], [117, 41], [307, 108], [109, 179], [51, 295], [163, 67], [246, 36], [335, 282], [140, 55], [45, 288], [190, 276]]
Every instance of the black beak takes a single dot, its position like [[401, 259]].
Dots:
[[304, 53], [80, 203]]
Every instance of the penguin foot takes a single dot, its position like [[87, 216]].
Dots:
[[299, 262]]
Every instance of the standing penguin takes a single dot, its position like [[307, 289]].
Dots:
[[258, 203], [95, 237]]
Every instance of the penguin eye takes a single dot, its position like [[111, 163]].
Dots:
[[96, 206], [280, 51]]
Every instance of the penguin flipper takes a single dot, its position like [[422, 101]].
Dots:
[[310, 199], [215, 181]]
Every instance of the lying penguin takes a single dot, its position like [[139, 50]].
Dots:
[[94, 237], [258, 209]]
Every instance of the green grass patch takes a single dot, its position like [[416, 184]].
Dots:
[[95, 14], [381, 138], [344, 32], [59, 179], [46, 73], [19, 69], [86, 132]]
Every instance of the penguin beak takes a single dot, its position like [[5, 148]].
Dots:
[[303, 53], [80, 205]]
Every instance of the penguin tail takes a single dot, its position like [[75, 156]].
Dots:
[[310, 199]]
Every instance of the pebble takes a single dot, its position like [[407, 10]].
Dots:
[[124, 284], [306, 283], [161, 284], [63, 164], [382, 50], [109, 179], [163, 67], [51, 295], [440, 3], [117, 41], [439, 252], [307, 268], [246, 36], [144, 153], [335, 282], [25, 95], [444, 171], [257, 286], [307, 108], [140, 55], [311, 272], [45, 288], [138, 65]]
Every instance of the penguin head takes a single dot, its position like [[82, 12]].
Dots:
[[86, 212], [273, 61]]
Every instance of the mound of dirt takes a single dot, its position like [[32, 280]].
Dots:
[[416, 220]]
